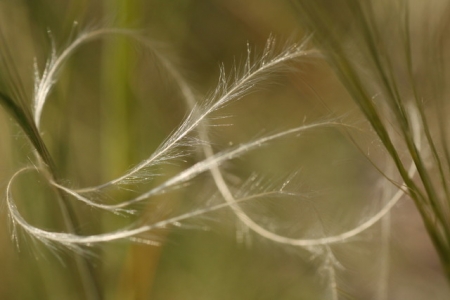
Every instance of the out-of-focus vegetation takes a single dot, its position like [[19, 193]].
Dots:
[[114, 103]]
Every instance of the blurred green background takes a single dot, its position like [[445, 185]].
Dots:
[[114, 104]]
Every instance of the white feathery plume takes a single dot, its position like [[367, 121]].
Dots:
[[243, 82], [198, 168], [224, 93], [76, 242]]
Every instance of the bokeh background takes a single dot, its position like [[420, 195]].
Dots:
[[114, 104]]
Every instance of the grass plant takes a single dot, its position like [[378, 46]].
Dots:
[[403, 103], [371, 50]]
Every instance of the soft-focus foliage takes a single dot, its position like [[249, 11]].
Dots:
[[223, 150]]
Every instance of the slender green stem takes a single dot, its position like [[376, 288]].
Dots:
[[433, 210], [23, 118]]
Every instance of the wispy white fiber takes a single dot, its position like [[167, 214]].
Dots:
[[198, 168], [340, 238], [227, 90], [77, 242], [230, 88]]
